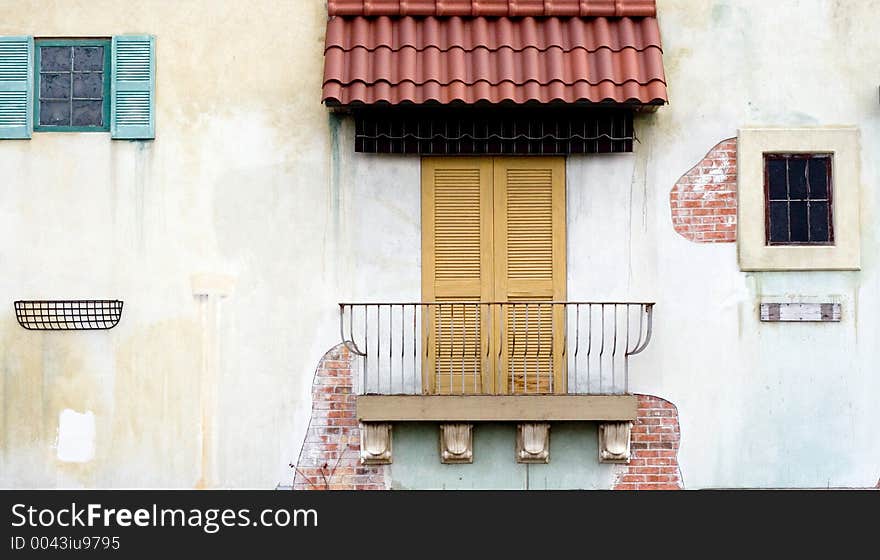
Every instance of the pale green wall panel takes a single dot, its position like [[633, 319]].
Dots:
[[417, 460], [574, 462]]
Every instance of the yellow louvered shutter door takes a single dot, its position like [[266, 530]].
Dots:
[[529, 258], [456, 267]]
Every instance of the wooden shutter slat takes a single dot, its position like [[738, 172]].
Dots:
[[530, 266], [529, 224], [132, 105], [456, 267], [16, 87]]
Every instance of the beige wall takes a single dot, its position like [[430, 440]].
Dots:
[[235, 184]]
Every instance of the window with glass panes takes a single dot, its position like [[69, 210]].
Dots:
[[798, 196], [72, 85]]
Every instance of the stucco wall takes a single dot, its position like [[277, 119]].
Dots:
[[235, 183], [765, 404], [250, 177]]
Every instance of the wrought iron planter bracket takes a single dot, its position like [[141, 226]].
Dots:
[[68, 315]]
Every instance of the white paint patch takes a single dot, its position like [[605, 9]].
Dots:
[[76, 436]]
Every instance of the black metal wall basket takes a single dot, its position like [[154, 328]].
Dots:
[[68, 315]]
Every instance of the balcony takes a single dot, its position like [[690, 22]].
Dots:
[[468, 361]]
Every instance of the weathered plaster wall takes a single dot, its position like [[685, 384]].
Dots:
[[236, 184], [760, 404], [764, 404], [250, 177]]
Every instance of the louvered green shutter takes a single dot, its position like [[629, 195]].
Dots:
[[133, 88], [16, 86]]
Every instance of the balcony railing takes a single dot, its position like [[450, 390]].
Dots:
[[492, 348]]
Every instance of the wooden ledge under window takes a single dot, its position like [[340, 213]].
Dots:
[[492, 408]]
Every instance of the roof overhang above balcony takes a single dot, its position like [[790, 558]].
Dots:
[[493, 53]]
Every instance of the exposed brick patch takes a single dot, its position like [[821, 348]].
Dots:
[[703, 202], [654, 448], [330, 455]]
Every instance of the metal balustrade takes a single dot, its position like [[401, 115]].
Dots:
[[471, 347]]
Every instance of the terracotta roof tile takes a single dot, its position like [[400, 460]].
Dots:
[[496, 8], [591, 34], [374, 55], [493, 66]]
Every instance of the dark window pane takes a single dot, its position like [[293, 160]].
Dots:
[[88, 85], [819, 230], [54, 58], [798, 216], [56, 86], [797, 178], [55, 113], [776, 175], [88, 58], [819, 178], [778, 222], [87, 113]]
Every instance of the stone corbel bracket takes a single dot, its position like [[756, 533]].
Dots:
[[375, 443], [533, 443], [614, 442], [456, 444]]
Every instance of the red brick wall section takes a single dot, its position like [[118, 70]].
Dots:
[[654, 452], [703, 201], [330, 455]]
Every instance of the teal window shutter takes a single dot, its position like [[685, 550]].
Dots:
[[133, 88], [16, 86]]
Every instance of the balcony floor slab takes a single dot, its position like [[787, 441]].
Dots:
[[496, 408]]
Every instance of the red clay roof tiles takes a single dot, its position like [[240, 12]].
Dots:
[[496, 8], [405, 59], [591, 34]]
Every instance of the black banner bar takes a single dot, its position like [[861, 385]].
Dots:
[[127, 524]]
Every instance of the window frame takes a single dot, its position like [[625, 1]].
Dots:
[[752, 251], [828, 158], [104, 42]]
